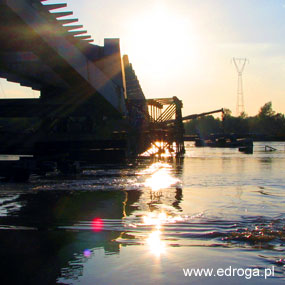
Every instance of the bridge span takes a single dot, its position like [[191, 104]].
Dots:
[[91, 105]]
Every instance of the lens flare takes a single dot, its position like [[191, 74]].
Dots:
[[87, 253], [97, 225]]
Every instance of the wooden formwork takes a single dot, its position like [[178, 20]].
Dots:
[[165, 129]]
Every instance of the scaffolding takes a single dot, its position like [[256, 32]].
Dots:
[[165, 130]]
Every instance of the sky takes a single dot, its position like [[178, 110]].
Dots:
[[184, 48]]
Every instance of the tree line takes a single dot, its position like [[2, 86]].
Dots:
[[266, 124]]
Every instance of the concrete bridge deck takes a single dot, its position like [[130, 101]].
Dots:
[[39, 51], [91, 102]]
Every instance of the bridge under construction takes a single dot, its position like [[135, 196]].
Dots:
[[91, 105]]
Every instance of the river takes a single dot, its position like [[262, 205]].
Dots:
[[217, 212]]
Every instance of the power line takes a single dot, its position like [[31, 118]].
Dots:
[[240, 65]]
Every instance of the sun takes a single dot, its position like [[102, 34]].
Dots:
[[162, 41]]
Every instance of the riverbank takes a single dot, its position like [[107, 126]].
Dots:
[[146, 221]]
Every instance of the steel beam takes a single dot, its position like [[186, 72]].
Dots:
[[51, 7], [63, 50]]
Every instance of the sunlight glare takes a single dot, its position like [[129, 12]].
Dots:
[[159, 149], [154, 240], [156, 245], [161, 179], [162, 41], [158, 219]]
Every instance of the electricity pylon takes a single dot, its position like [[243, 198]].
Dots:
[[240, 65]]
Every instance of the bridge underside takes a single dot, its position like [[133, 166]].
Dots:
[[91, 104], [82, 101], [37, 50]]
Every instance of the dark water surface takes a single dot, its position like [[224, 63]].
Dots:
[[146, 221]]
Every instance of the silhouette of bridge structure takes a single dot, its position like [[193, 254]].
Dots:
[[91, 104]]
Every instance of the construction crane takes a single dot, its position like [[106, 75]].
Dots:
[[195, 116]]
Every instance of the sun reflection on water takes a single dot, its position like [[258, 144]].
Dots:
[[156, 245], [160, 177], [154, 240], [158, 219], [156, 209]]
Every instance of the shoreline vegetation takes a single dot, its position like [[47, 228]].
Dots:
[[267, 125]]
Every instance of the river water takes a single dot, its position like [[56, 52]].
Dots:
[[149, 221]]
